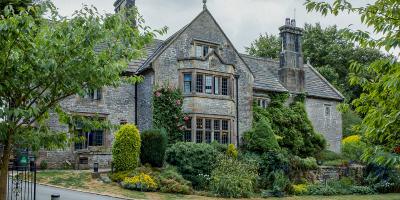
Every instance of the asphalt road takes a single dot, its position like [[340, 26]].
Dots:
[[45, 192]]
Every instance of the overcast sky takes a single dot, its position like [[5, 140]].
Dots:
[[242, 20]]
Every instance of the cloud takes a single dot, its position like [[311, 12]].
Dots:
[[242, 20]]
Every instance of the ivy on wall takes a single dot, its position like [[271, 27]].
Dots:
[[167, 112], [291, 124]]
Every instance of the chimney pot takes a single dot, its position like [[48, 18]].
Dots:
[[293, 22], [287, 22]]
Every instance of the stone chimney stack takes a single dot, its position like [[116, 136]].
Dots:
[[121, 4], [291, 71]]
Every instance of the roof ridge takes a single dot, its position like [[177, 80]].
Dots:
[[259, 58]]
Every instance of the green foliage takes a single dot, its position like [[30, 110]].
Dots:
[[338, 188], [154, 145], [382, 179], [280, 184], [303, 164], [43, 165], [167, 112], [119, 176], [349, 120], [327, 155], [126, 148], [267, 46], [232, 152], [233, 178], [379, 81], [172, 182], [261, 138], [353, 150], [270, 162], [291, 123], [193, 160]]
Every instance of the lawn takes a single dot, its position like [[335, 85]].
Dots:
[[82, 180]]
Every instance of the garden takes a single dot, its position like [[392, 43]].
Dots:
[[281, 156]]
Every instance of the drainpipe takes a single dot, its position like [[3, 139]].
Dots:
[[136, 103], [237, 110]]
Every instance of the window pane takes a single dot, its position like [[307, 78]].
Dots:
[[199, 136], [187, 83], [199, 51], [224, 138], [99, 94], [217, 125], [225, 125], [217, 136], [80, 144], [208, 123], [98, 138], [209, 84], [199, 123], [208, 136], [205, 51], [199, 83], [216, 85], [188, 136], [224, 86]]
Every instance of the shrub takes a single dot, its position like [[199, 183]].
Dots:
[[261, 138], [300, 189], [280, 184], [364, 190], [154, 145], [353, 148], [141, 182], [382, 179], [272, 161], [119, 176], [222, 148], [43, 165], [319, 189], [126, 148], [327, 155], [232, 151], [232, 178], [192, 159], [168, 114], [303, 164], [172, 182]]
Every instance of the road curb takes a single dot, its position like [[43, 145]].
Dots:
[[88, 192]]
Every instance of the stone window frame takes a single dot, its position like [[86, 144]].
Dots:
[[92, 95], [328, 110], [199, 129], [105, 132], [262, 102], [202, 44], [214, 74]]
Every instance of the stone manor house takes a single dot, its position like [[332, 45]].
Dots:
[[219, 86]]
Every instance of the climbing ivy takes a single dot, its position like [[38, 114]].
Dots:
[[167, 112], [291, 124]]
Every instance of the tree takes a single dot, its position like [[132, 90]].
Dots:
[[268, 46], [15, 6], [46, 59], [379, 101]]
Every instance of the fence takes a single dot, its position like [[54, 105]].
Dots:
[[22, 181]]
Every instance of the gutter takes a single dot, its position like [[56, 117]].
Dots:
[[136, 104], [237, 110]]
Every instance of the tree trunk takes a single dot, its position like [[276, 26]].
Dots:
[[4, 170]]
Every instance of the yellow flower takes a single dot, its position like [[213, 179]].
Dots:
[[142, 179], [300, 189], [352, 139]]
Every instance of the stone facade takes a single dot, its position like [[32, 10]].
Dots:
[[218, 95]]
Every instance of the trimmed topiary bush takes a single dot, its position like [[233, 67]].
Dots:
[[193, 160], [154, 145], [232, 152], [126, 148], [261, 138]]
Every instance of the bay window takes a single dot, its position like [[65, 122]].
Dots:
[[206, 83], [208, 130]]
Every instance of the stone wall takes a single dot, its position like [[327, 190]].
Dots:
[[327, 173], [145, 94], [328, 125], [117, 105]]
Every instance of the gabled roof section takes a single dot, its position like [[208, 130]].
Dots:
[[147, 64], [134, 65], [317, 86], [264, 79]]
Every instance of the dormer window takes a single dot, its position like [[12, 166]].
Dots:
[[201, 50]]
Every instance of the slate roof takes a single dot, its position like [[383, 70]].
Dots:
[[266, 78]]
